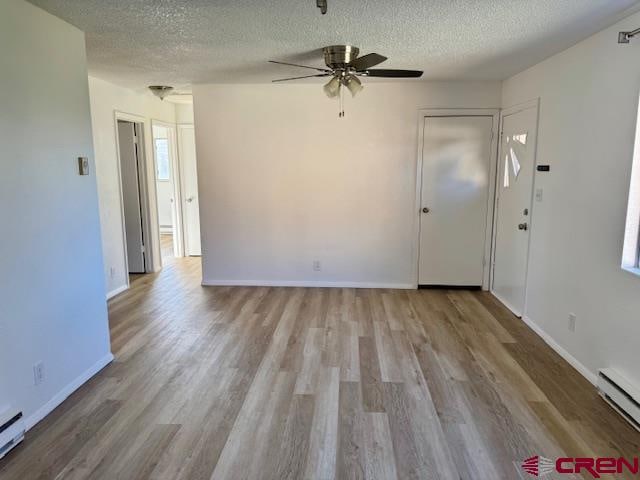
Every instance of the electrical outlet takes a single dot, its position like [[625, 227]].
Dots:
[[317, 266], [572, 322], [538, 194], [38, 373]]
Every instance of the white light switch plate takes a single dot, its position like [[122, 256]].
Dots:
[[538, 194]]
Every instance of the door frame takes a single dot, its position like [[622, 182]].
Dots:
[[152, 241], [176, 180], [519, 107], [423, 115]]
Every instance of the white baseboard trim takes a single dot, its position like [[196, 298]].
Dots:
[[117, 291], [573, 361], [305, 283], [60, 397]]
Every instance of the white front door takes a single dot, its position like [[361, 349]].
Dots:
[[456, 165], [191, 206], [516, 164]]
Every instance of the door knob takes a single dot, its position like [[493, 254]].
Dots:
[[425, 210], [523, 226]]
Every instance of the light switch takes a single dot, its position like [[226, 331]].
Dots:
[[83, 166]]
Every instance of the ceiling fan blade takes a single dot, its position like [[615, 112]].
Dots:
[[367, 61], [301, 66], [379, 72], [298, 78]]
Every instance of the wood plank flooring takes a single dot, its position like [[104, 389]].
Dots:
[[292, 383], [166, 245]]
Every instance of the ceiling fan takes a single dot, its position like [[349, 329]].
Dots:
[[345, 66]]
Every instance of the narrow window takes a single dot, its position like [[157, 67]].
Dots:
[[162, 158]]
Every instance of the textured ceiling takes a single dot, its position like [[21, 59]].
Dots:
[[179, 42]]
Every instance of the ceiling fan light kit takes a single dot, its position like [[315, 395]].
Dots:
[[344, 68], [354, 85], [332, 88]]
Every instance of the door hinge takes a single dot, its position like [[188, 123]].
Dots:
[[143, 249]]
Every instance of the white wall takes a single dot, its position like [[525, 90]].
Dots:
[[184, 113], [283, 181], [106, 98], [52, 304], [589, 101]]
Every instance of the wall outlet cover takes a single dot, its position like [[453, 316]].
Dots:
[[38, 373]]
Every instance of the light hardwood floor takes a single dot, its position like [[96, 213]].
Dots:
[[293, 383], [166, 245]]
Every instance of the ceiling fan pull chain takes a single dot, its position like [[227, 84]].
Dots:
[[341, 114]]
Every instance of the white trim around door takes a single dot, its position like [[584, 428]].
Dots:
[[148, 194], [423, 114]]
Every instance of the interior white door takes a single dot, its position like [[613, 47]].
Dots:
[[456, 165], [129, 173], [189, 175], [514, 195]]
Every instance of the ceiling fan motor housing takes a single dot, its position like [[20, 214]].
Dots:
[[339, 56]]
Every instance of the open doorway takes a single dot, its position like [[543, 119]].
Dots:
[[141, 242], [176, 180], [168, 189]]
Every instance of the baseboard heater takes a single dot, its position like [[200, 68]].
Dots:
[[12, 429], [621, 394]]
